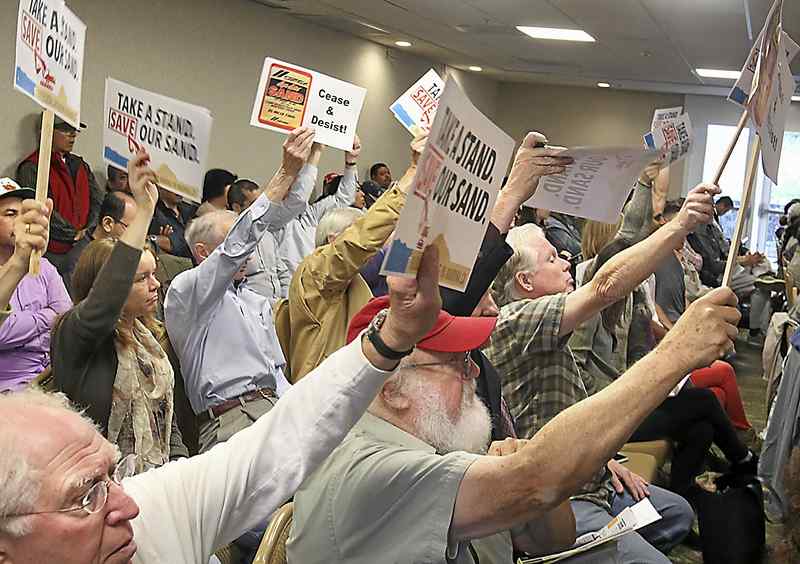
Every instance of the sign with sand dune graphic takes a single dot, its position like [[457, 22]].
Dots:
[[176, 134]]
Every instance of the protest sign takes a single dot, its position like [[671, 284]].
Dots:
[[176, 135], [665, 114], [49, 57], [290, 96], [740, 92], [673, 137], [772, 128], [416, 108], [596, 184], [452, 196]]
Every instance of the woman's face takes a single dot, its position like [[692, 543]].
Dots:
[[143, 296]]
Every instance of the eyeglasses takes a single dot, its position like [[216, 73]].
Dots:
[[97, 496], [122, 223], [464, 363]]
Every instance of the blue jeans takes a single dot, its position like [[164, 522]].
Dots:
[[647, 545]]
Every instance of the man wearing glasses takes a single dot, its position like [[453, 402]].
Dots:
[[61, 498], [73, 188]]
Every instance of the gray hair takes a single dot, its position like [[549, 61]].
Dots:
[[525, 258], [20, 484], [334, 222], [208, 228]]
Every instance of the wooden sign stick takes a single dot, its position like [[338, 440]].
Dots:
[[749, 182], [731, 146], [43, 176]]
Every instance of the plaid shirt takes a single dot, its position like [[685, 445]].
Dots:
[[540, 376]]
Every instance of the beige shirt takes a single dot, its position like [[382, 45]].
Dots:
[[385, 496]]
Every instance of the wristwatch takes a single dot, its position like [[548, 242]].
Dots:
[[373, 334]]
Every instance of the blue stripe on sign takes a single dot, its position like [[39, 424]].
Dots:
[[111, 155], [24, 82], [399, 111], [738, 96], [648, 140]]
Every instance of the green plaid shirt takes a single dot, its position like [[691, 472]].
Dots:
[[540, 376]]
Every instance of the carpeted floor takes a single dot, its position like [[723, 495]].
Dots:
[[753, 388]]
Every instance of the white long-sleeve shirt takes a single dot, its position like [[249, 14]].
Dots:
[[192, 507]]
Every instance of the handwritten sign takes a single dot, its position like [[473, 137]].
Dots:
[[453, 193], [673, 137], [416, 108], [49, 57], [176, 134], [596, 184], [290, 96]]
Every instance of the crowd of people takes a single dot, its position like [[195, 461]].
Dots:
[[177, 372]]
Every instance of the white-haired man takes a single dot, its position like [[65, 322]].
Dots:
[[66, 497], [409, 483], [541, 379], [212, 318]]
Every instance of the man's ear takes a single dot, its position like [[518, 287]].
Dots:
[[524, 280], [393, 397], [200, 250], [107, 223]]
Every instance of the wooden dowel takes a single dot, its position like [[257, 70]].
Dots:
[[43, 176], [749, 182], [731, 147]]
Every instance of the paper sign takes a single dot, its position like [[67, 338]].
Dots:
[[772, 128], [453, 192], [665, 114], [741, 90], [673, 137], [176, 135], [49, 59], [596, 184], [417, 106], [289, 97]]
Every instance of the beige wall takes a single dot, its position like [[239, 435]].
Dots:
[[573, 116], [197, 52]]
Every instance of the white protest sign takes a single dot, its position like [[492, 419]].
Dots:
[[176, 135], [741, 90], [416, 108], [673, 137], [772, 128], [665, 114], [49, 57], [453, 193], [596, 184], [290, 96]]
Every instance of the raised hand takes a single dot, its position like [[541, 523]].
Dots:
[[351, 156], [296, 150], [417, 146], [143, 181], [31, 230], [532, 162], [705, 332], [414, 304], [698, 207], [650, 173]]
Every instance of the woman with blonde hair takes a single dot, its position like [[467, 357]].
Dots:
[[106, 354]]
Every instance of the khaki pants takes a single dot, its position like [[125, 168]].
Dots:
[[221, 429]]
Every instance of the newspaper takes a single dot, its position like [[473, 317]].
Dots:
[[630, 519]]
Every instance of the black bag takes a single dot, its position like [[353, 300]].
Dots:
[[732, 523]]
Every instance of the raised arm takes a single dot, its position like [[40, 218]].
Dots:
[[620, 275], [346, 194], [26, 240], [637, 216], [528, 484], [231, 488]]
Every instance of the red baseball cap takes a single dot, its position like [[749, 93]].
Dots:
[[450, 334]]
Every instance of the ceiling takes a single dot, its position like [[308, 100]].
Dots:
[[641, 44]]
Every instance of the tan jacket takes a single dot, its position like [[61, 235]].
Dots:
[[327, 290]]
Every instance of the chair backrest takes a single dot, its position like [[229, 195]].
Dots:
[[273, 545]]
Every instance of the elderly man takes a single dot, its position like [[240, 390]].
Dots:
[[66, 497], [541, 378], [409, 484], [35, 303], [210, 315], [296, 240], [73, 188]]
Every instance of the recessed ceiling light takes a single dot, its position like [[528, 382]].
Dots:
[[795, 98], [603, 85], [717, 73], [403, 43], [474, 68], [556, 33]]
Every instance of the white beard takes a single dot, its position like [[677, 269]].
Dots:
[[470, 433]]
